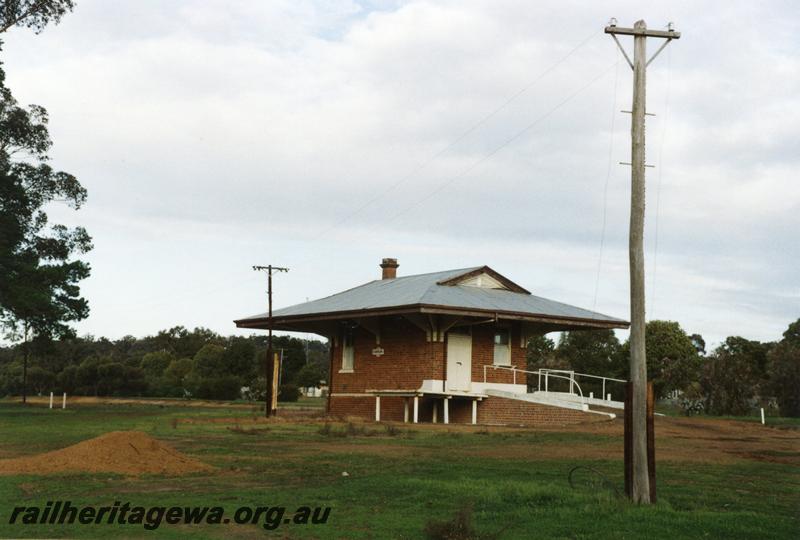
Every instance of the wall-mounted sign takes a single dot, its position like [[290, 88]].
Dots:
[[377, 351]]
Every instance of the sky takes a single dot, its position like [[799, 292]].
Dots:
[[323, 136]]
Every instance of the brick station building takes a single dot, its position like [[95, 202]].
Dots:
[[440, 347]]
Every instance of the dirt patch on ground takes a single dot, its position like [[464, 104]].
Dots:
[[294, 416], [123, 452], [702, 440], [91, 400], [690, 440]]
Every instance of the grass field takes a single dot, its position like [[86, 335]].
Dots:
[[717, 478]]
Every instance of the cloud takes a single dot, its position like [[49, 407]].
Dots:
[[218, 135]]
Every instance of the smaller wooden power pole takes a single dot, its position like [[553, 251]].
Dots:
[[269, 369], [638, 474]]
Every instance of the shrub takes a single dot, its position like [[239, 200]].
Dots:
[[728, 383], [692, 400], [222, 387], [785, 377], [288, 392], [458, 528]]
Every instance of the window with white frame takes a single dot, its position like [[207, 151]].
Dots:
[[348, 351], [502, 347]]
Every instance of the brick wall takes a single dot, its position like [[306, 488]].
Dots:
[[497, 410], [408, 359], [483, 355], [492, 410]]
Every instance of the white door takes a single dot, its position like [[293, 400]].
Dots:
[[459, 361]]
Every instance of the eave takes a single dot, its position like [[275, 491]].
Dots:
[[296, 322]]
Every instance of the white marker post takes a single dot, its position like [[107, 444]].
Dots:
[[762, 416], [51, 400], [64, 401]]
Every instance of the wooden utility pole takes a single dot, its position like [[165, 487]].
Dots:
[[639, 470], [270, 398]]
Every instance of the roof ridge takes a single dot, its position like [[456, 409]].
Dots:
[[438, 272], [388, 281]]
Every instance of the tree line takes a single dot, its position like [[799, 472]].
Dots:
[[176, 362], [40, 297], [735, 378]]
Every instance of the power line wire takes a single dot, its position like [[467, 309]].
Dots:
[[658, 183], [605, 187], [474, 127], [455, 141], [508, 141]]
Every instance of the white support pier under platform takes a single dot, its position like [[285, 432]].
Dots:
[[572, 399], [414, 396]]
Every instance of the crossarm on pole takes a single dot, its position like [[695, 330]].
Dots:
[[658, 51], [623, 51]]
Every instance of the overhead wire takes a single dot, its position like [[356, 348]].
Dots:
[[463, 135], [607, 181], [505, 143], [668, 76]]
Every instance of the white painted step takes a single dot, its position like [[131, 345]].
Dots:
[[566, 396], [553, 399]]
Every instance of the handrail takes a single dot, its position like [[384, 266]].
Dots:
[[548, 372], [600, 377], [603, 394], [547, 375], [582, 374]]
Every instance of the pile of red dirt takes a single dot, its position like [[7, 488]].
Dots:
[[121, 452]]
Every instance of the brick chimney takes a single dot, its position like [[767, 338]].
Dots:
[[389, 268]]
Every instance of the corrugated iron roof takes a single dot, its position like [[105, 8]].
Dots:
[[424, 289]]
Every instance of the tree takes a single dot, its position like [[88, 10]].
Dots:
[[595, 352], [699, 343], [672, 359], [541, 353], [293, 357], [309, 376], [177, 372], [784, 371], [754, 351], [728, 382], [133, 366], [40, 380], [792, 333], [87, 378], [35, 14], [39, 293], [184, 343], [68, 379], [155, 363], [115, 378], [240, 358], [210, 361], [11, 378], [288, 392]]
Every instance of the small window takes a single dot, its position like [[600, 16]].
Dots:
[[502, 348], [348, 352]]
